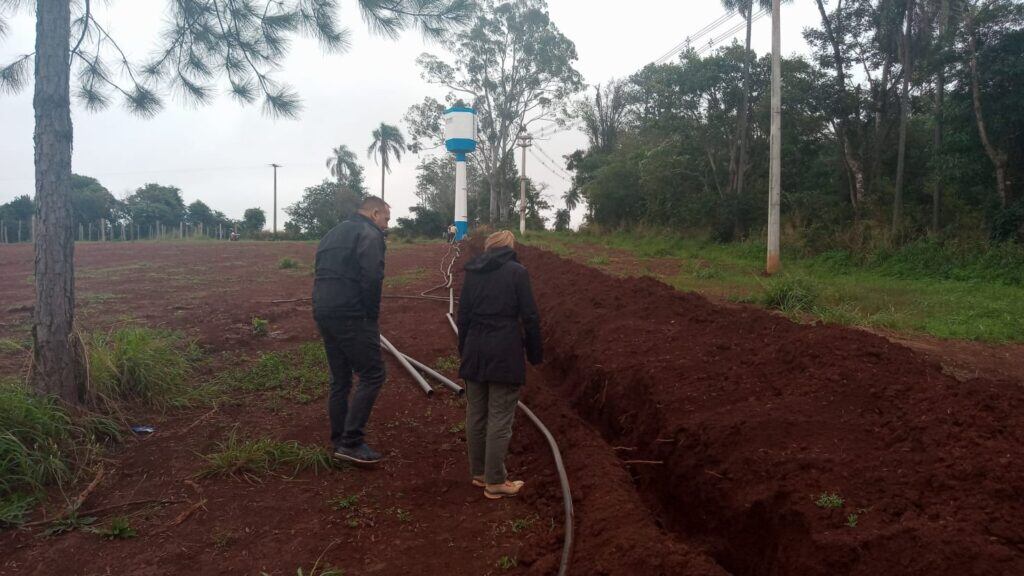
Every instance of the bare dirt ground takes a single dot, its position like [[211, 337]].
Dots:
[[418, 514], [696, 436]]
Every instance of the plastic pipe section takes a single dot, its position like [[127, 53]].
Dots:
[[459, 390], [405, 364]]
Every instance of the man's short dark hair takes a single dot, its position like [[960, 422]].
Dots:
[[371, 203]]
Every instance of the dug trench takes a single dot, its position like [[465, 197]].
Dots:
[[730, 424]]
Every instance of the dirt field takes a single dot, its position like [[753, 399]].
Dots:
[[697, 437]]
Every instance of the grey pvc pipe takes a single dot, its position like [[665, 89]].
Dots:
[[405, 364], [437, 375]]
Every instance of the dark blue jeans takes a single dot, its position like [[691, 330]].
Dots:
[[352, 345]]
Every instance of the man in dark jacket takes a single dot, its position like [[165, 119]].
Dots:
[[346, 307], [498, 321]]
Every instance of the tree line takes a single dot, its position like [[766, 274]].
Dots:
[[151, 211], [904, 122]]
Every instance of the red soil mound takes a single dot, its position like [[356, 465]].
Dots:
[[746, 418]]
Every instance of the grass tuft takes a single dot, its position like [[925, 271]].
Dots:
[[829, 501], [288, 264], [36, 434], [140, 364], [262, 456], [790, 294]]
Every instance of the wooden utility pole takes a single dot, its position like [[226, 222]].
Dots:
[[775, 171], [276, 166], [525, 141]]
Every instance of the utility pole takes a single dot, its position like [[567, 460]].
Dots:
[[525, 141], [775, 171], [276, 166]]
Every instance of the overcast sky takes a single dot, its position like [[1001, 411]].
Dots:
[[221, 152]]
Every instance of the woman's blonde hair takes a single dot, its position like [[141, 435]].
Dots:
[[500, 239]]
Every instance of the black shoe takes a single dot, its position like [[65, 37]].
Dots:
[[361, 454]]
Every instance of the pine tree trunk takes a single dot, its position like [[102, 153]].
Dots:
[[901, 155], [56, 369]]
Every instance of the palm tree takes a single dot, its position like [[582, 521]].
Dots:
[[387, 142], [342, 163]]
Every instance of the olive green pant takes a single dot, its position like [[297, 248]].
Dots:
[[490, 410]]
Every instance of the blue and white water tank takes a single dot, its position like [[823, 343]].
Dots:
[[460, 139]]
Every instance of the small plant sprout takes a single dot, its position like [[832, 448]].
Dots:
[[458, 428], [851, 521], [119, 529], [403, 515], [520, 524], [288, 264], [507, 562], [260, 327], [344, 502], [829, 501]]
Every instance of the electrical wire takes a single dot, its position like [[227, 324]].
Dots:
[[691, 39]]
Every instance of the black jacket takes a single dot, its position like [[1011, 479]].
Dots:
[[496, 297], [350, 270]]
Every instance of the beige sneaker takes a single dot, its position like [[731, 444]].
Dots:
[[479, 482], [507, 490]]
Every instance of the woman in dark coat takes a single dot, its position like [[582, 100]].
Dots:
[[498, 326]]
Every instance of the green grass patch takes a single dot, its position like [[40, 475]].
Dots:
[[790, 294], [300, 375], [141, 364], [261, 456], [36, 448], [405, 278], [972, 292], [12, 346]]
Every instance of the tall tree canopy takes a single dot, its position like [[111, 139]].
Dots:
[[514, 67]]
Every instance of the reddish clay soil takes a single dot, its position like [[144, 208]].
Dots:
[[696, 438], [417, 514], [741, 419]]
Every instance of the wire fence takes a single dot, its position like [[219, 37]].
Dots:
[[23, 231]]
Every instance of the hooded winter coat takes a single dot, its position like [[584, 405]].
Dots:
[[498, 320]]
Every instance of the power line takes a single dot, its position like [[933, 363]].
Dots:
[[707, 29], [554, 171], [553, 161], [728, 34]]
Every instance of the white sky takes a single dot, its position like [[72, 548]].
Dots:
[[220, 152]]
